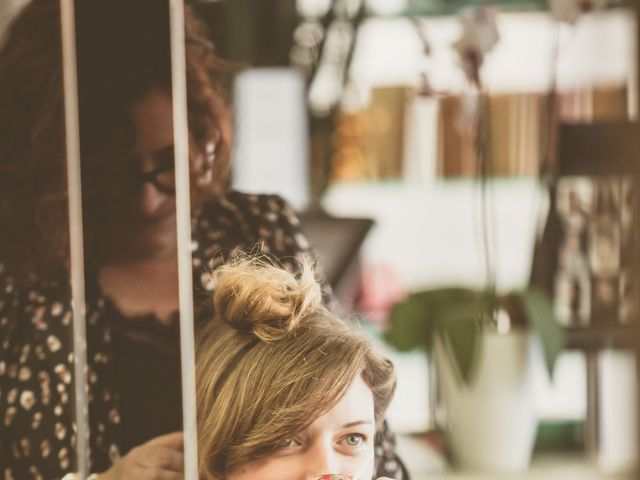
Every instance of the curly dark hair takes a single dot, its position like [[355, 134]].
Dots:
[[123, 52]]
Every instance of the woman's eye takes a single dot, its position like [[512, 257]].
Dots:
[[355, 440]]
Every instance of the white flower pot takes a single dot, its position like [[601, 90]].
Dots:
[[491, 424]]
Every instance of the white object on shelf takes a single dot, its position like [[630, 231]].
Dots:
[[421, 139], [491, 424], [272, 138], [618, 448]]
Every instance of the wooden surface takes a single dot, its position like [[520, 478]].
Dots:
[[601, 337], [599, 149], [547, 467], [424, 463]]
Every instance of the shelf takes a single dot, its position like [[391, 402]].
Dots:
[[602, 337], [431, 8], [599, 149]]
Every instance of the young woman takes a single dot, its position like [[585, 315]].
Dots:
[[286, 391]]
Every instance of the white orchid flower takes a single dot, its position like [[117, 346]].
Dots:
[[479, 36], [568, 11]]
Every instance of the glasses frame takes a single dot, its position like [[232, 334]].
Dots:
[[151, 176]]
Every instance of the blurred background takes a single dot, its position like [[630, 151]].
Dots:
[[442, 153]]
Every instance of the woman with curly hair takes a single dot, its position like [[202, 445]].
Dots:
[[124, 75]]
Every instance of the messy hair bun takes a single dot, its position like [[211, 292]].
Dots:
[[257, 297]]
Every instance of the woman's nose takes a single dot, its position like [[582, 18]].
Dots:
[[323, 461]]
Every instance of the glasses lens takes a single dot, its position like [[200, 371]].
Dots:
[[166, 179]]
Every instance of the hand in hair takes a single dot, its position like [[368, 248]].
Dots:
[[161, 458]]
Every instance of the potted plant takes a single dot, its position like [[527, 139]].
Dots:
[[482, 344]]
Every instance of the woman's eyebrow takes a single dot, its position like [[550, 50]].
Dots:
[[357, 422]]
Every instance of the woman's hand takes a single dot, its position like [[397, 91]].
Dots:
[[161, 458]]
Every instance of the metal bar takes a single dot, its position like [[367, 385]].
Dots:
[[592, 421], [433, 392], [635, 271], [74, 180], [636, 59], [183, 213]]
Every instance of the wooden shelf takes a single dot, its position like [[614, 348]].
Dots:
[[599, 149], [602, 337]]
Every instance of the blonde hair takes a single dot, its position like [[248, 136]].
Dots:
[[273, 361]]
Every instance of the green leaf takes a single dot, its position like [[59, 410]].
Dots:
[[410, 327], [543, 321], [439, 300], [461, 330], [454, 313]]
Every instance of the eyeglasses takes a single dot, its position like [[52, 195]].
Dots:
[[162, 177]]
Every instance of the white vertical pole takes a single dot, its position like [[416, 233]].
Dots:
[[183, 212], [72, 129]]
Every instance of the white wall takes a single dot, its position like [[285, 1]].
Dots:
[[599, 49], [432, 234]]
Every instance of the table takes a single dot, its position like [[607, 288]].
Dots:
[[425, 463]]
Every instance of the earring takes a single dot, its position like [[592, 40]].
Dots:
[[210, 150]]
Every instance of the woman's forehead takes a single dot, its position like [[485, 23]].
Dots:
[[356, 407], [152, 117]]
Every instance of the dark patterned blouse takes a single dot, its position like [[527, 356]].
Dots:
[[36, 392]]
